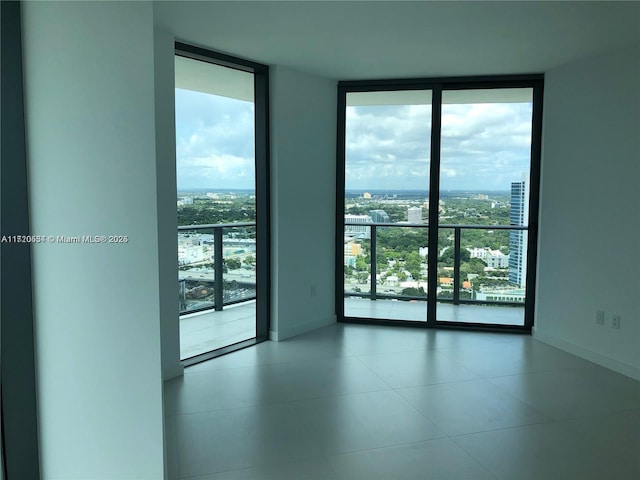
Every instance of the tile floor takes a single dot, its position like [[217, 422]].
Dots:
[[374, 402]]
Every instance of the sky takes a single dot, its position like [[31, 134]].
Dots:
[[214, 142], [484, 146]]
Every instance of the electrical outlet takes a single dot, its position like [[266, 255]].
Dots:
[[615, 322], [599, 317]]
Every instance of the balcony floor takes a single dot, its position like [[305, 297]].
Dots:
[[205, 331], [417, 311]]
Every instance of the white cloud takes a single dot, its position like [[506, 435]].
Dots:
[[484, 146], [220, 171], [215, 141]]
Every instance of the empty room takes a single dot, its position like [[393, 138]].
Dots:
[[320, 240]]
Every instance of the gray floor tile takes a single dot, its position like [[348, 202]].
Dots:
[[408, 369], [312, 379], [549, 451], [307, 470], [359, 401], [508, 359], [214, 390], [231, 388], [434, 459], [563, 394], [364, 421], [471, 406], [611, 381], [171, 448], [613, 435], [225, 440], [461, 341]]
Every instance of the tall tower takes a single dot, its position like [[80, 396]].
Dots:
[[379, 216], [414, 214], [518, 238]]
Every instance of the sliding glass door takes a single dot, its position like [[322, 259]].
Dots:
[[438, 215], [221, 177], [485, 166], [387, 161]]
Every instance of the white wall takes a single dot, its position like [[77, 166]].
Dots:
[[590, 210], [89, 70], [167, 208], [303, 132]]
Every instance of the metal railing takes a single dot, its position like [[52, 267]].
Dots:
[[216, 263], [457, 229]]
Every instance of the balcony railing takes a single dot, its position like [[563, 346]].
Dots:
[[509, 291], [216, 265], [202, 248]]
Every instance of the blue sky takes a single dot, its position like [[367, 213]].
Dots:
[[484, 146]]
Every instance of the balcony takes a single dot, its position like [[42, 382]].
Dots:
[[208, 330], [398, 290], [216, 305]]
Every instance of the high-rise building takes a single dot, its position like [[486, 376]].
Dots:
[[359, 230], [379, 216], [414, 214], [519, 216]]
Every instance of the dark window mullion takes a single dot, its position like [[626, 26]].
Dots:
[[340, 192], [434, 198], [263, 208], [534, 194]]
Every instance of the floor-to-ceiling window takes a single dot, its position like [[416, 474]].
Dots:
[[222, 202], [438, 183], [385, 229]]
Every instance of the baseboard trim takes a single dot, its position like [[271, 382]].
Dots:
[[590, 355], [300, 328]]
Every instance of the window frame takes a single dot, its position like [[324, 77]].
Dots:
[[262, 188], [437, 86]]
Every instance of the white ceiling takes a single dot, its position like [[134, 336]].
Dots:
[[423, 97], [208, 78], [395, 39]]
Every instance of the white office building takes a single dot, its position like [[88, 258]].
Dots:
[[414, 214], [359, 230]]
